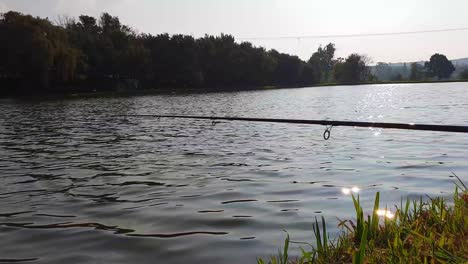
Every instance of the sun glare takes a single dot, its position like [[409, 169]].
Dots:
[[385, 213], [347, 191]]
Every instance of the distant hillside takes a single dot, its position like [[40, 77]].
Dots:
[[397, 71], [457, 62], [460, 62]]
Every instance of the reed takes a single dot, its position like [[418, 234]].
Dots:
[[432, 231]]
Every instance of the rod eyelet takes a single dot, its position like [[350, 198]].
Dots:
[[327, 133]]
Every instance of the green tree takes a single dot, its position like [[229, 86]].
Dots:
[[36, 52], [323, 61], [352, 70], [102, 52], [288, 70], [308, 75], [110, 50], [439, 66]]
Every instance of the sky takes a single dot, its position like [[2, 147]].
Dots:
[[279, 18]]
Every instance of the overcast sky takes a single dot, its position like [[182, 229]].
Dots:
[[266, 18]]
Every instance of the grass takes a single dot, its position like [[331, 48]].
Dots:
[[432, 231]]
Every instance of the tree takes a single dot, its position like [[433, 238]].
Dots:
[[36, 51], [439, 66], [174, 61], [110, 50], [464, 75], [308, 75], [101, 53], [353, 70], [416, 72], [288, 70], [322, 62]]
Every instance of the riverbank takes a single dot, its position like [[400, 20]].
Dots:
[[433, 231], [389, 82], [162, 91], [168, 91]]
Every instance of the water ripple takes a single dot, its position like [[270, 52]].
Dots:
[[180, 234], [115, 183], [17, 260]]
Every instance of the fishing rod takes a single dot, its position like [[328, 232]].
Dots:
[[328, 123]]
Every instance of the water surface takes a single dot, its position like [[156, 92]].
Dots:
[[78, 185]]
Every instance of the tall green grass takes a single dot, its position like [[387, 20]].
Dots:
[[432, 231]]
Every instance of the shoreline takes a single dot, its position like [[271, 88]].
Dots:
[[416, 231], [175, 91]]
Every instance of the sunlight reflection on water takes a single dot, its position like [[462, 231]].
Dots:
[[135, 190]]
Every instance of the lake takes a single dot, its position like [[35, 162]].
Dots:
[[79, 185]]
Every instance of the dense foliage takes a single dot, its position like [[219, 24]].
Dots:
[[439, 66], [88, 54], [352, 70], [35, 51]]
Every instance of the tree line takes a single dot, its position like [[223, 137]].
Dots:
[[437, 68], [87, 53]]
